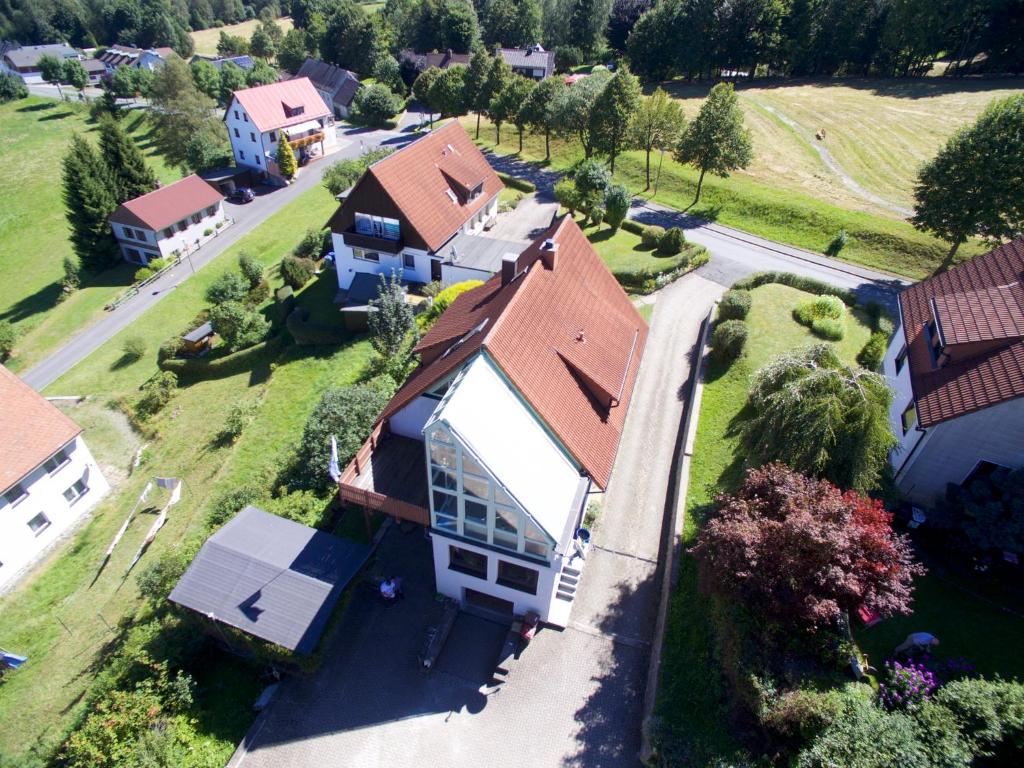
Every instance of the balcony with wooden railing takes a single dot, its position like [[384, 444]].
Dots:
[[389, 475], [305, 141]]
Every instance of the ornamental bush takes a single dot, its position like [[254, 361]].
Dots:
[[156, 393], [239, 325], [873, 352], [824, 315], [671, 242], [8, 336], [728, 340], [735, 305], [251, 269], [134, 348], [230, 286], [651, 236], [907, 686]]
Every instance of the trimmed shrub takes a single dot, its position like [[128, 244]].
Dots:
[[808, 284], [828, 328], [671, 242], [296, 271], [143, 273], [597, 214], [567, 195], [134, 348], [202, 368], [651, 236], [735, 305], [616, 202], [8, 336], [728, 340], [240, 326], [251, 269], [873, 352], [258, 294], [837, 244], [231, 286], [311, 245], [824, 315], [515, 183], [169, 349], [633, 226]]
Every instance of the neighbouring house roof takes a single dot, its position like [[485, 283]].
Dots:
[[494, 423], [94, 66], [244, 62], [340, 83], [271, 577], [29, 55], [534, 57], [167, 205], [416, 185], [977, 309], [278, 105], [198, 334], [118, 55], [33, 429], [444, 60], [567, 338]]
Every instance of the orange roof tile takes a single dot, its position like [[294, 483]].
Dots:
[[266, 104], [567, 338], [31, 429], [413, 185]]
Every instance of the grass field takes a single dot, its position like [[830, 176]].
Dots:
[[878, 131], [205, 40], [759, 206], [33, 230], [39, 702], [692, 697]]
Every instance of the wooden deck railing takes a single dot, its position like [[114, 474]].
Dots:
[[350, 491]]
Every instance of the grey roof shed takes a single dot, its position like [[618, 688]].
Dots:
[[271, 577]]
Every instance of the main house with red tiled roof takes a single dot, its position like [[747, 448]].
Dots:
[[48, 477], [957, 370], [419, 212], [257, 119], [172, 220], [511, 420]]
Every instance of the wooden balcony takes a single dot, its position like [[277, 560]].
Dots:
[[355, 239], [388, 474], [305, 141]]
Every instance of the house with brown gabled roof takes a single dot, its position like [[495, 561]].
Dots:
[[173, 220], [957, 372], [258, 118], [419, 212], [48, 477], [512, 419]]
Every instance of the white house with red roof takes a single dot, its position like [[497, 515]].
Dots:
[[172, 220], [512, 420], [258, 118], [419, 212], [48, 477], [956, 367]]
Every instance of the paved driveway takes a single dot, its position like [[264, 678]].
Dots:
[[574, 697]]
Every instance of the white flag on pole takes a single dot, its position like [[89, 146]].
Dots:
[[333, 469]]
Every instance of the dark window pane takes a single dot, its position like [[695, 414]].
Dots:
[[445, 504], [475, 512], [474, 486], [444, 478], [465, 561], [517, 577]]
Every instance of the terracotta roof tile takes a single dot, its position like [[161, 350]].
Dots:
[[413, 186], [167, 205], [31, 429], [265, 104], [533, 333], [980, 305]]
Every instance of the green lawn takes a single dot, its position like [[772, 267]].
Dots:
[[33, 230], [692, 699], [39, 702], [205, 40], [756, 205]]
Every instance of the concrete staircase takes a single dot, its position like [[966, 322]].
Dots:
[[568, 582]]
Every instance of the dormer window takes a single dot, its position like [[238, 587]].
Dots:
[[476, 191], [293, 110]]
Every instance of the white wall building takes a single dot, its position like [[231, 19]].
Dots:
[[48, 477], [258, 118], [956, 368], [178, 218], [419, 212]]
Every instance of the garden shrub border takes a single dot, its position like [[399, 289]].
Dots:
[[200, 369], [522, 185]]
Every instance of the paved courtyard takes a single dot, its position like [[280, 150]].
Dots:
[[573, 697]]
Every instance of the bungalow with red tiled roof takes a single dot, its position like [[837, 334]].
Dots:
[[48, 477], [258, 118], [176, 219], [419, 212], [957, 371], [512, 418]]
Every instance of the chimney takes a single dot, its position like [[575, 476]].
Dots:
[[549, 253], [509, 268]]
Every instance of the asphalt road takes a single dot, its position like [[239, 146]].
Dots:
[[246, 217]]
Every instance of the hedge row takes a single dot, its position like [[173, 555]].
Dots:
[[199, 368], [307, 333], [515, 183], [808, 284], [633, 226], [648, 279]]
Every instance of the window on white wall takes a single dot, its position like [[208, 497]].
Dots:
[[57, 461], [168, 232], [39, 523], [362, 255], [409, 260], [16, 495], [909, 417], [901, 359], [517, 577], [237, 134], [252, 137], [76, 491]]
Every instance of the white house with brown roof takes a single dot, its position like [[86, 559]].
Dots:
[[956, 368], [419, 212], [513, 418], [176, 219], [258, 118], [48, 477]]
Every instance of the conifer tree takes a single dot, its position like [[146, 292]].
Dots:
[[129, 173], [89, 201], [285, 158]]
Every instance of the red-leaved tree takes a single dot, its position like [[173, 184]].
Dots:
[[799, 551]]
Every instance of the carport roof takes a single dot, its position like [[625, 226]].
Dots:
[[270, 577]]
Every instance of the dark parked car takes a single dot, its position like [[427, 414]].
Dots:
[[241, 195]]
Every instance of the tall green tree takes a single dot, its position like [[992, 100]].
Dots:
[[658, 124], [262, 44], [293, 51], [260, 74], [205, 75], [422, 86], [974, 185], [447, 93], [88, 201], [511, 23], [477, 99], [506, 102], [613, 113], [573, 107], [75, 74], [537, 112], [716, 141], [51, 69], [392, 324], [232, 78], [183, 115], [129, 174], [515, 95], [587, 21], [286, 158]]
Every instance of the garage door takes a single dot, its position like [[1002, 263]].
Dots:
[[487, 606]]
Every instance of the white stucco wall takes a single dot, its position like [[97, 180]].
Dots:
[[348, 266], [183, 241], [409, 421], [250, 147], [902, 394], [950, 450], [19, 545]]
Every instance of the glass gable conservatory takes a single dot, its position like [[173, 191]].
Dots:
[[466, 500]]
